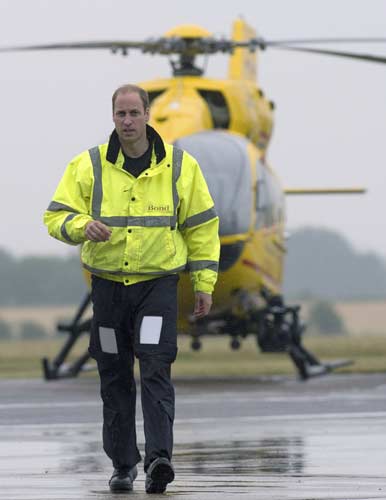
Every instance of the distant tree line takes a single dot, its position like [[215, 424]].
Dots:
[[28, 330], [320, 264], [40, 280], [324, 319]]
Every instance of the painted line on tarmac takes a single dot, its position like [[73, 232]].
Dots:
[[207, 399], [68, 404], [298, 416], [218, 420], [280, 399]]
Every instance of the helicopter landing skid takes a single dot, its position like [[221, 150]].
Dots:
[[58, 368], [277, 328], [280, 330], [308, 366]]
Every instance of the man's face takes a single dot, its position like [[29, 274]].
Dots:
[[130, 117]]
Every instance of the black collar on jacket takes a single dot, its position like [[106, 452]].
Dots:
[[152, 136]]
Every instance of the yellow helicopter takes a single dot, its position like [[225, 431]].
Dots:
[[227, 125]]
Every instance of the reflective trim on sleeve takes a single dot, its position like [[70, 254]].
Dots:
[[197, 265], [143, 221], [95, 270], [97, 193], [55, 206], [63, 229], [196, 220], [177, 163]]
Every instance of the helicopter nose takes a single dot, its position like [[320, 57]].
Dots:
[[174, 115], [171, 128]]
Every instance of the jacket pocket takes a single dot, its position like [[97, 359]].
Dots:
[[158, 249]]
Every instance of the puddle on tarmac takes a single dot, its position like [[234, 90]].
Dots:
[[273, 456], [272, 467]]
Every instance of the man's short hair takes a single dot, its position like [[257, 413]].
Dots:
[[132, 88]]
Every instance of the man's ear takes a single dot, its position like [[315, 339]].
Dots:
[[147, 114]]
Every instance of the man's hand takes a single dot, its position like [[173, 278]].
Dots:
[[203, 303], [97, 231]]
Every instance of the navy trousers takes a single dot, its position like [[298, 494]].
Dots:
[[135, 321]]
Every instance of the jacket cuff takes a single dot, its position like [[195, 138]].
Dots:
[[204, 280], [76, 228], [204, 289]]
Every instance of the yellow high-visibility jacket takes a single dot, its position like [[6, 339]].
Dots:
[[162, 222]]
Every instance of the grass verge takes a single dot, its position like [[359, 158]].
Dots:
[[21, 359]]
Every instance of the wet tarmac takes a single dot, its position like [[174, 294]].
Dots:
[[262, 439]]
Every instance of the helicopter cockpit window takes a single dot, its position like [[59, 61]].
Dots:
[[218, 107], [225, 164], [269, 198], [153, 94]]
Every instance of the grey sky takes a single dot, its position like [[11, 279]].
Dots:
[[330, 117]]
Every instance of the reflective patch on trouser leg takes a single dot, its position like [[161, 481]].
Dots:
[[150, 331], [108, 340]]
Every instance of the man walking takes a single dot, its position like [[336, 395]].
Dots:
[[142, 211]]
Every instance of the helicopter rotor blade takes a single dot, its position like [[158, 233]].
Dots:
[[322, 41], [152, 46], [74, 45], [194, 47], [261, 43], [162, 45], [337, 53]]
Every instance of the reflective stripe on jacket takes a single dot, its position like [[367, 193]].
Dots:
[[162, 222]]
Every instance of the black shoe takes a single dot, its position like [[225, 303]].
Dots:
[[158, 475], [122, 479]]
